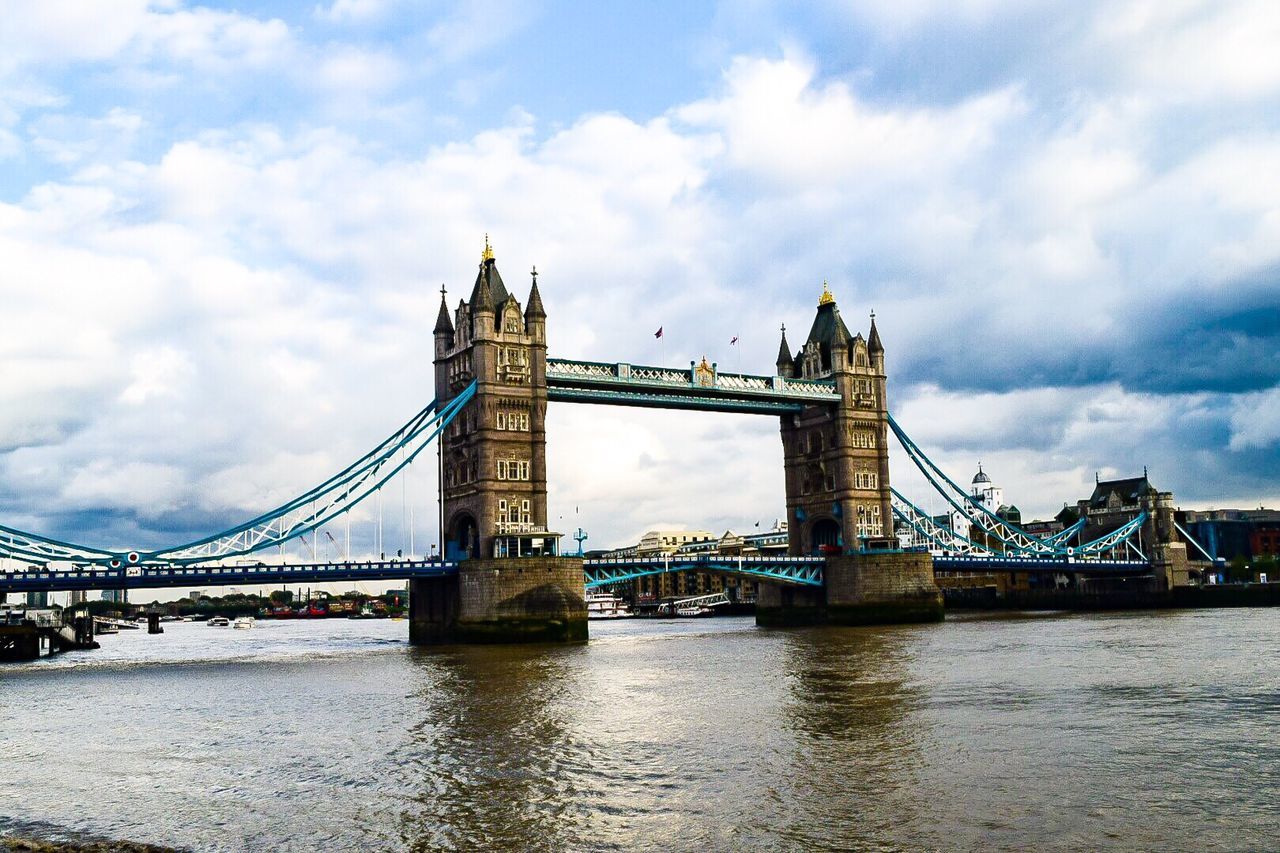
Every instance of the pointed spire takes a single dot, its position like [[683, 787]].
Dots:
[[839, 336], [873, 344], [487, 255], [533, 308], [444, 324], [481, 294], [784, 351]]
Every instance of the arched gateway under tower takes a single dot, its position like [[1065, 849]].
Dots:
[[513, 585]]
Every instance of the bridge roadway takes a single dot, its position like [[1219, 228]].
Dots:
[[801, 571]]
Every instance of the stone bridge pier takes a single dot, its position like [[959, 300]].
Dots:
[[530, 600]]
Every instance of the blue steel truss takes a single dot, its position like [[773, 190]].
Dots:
[[1014, 539], [700, 387], [801, 571], [303, 514]]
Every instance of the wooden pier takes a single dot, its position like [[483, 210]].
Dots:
[[30, 634]]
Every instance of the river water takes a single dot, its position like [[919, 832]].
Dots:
[[1120, 731]]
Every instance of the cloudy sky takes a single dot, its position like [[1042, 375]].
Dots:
[[222, 236]]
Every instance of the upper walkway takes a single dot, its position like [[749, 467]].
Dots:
[[702, 387]]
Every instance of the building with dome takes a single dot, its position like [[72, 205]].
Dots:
[[985, 493]]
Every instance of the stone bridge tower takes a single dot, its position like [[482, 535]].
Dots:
[[838, 498], [493, 457], [511, 585], [837, 458]]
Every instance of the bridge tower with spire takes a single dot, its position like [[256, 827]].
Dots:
[[512, 584], [836, 458], [839, 503]]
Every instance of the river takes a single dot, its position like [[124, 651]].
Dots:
[[1117, 731]]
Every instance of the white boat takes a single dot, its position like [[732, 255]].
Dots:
[[243, 622], [606, 605], [218, 622]]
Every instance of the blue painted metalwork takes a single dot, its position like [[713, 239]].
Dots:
[[1066, 533], [1062, 564], [701, 387], [944, 539], [151, 577], [303, 514], [801, 571], [1014, 539]]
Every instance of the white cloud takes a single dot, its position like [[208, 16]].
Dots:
[[1255, 420], [357, 71], [1192, 50], [71, 140], [779, 126], [160, 372], [358, 11], [58, 32]]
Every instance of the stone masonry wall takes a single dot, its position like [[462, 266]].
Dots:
[[537, 599], [860, 589]]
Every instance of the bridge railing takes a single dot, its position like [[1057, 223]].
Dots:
[[621, 373], [142, 577]]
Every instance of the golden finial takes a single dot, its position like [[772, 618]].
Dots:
[[826, 298], [487, 255]]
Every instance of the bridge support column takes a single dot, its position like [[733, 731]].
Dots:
[[524, 600], [1170, 564], [881, 588], [783, 606], [867, 588]]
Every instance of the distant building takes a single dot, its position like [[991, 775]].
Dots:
[[117, 596], [667, 541], [686, 543], [1114, 503], [38, 599], [990, 497], [1232, 533]]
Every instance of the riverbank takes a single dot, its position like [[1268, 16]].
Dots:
[[1183, 597]]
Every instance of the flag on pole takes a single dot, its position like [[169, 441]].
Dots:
[[734, 341], [658, 333]]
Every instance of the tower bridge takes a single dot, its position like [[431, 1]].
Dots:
[[500, 576]]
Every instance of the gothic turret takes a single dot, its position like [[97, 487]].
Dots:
[[873, 343], [840, 347], [786, 365], [444, 327], [535, 317]]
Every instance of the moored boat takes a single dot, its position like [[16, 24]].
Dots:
[[218, 622], [606, 605]]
